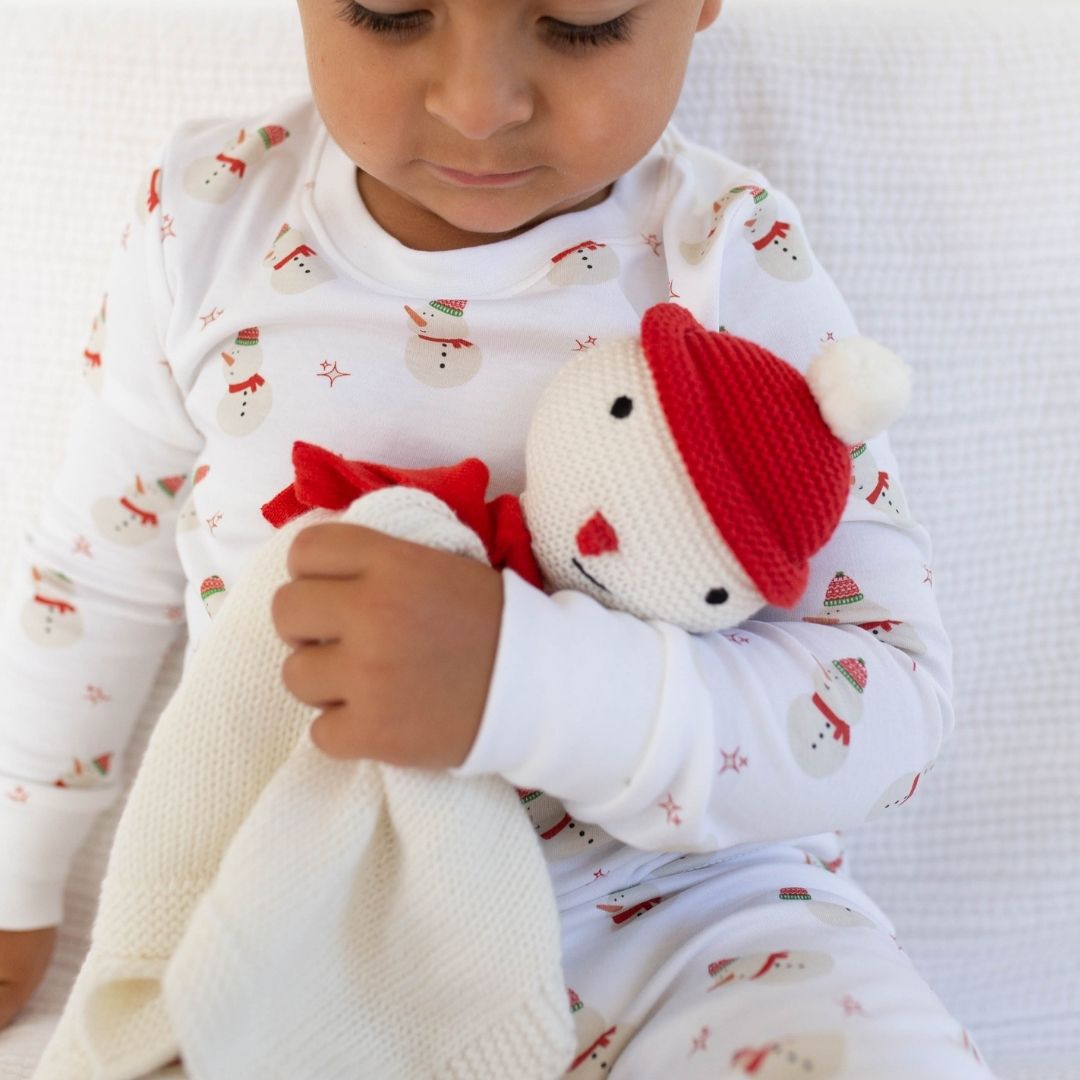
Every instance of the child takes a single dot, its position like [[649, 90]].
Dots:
[[394, 269]]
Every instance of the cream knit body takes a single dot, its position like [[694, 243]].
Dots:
[[224, 931], [278, 310]]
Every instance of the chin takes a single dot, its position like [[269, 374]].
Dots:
[[493, 221]]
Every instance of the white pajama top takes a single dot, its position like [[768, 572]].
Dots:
[[252, 301]]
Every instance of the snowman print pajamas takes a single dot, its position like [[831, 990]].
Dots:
[[690, 791]]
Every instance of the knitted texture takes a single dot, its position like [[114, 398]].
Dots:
[[771, 474], [268, 911], [653, 550]]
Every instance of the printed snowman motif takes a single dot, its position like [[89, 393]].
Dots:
[[188, 517], [249, 399], [294, 266], [89, 774], [794, 1057], [95, 346], [630, 904], [148, 196], [587, 263], [695, 252], [819, 724], [846, 603], [215, 179], [896, 794], [213, 594], [782, 250], [833, 914], [439, 352], [561, 834], [49, 618], [785, 966], [598, 1042], [880, 490], [134, 518]]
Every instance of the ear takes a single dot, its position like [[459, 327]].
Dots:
[[710, 11]]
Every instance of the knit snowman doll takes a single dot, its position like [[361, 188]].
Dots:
[[683, 475]]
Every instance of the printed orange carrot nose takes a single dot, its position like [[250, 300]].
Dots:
[[418, 319], [230, 360], [597, 536]]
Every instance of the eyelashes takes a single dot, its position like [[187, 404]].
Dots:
[[562, 35], [570, 36], [391, 25]]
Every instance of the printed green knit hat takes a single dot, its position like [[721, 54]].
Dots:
[[853, 668], [842, 591], [212, 585], [450, 307], [272, 135]]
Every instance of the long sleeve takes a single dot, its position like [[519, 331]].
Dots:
[[796, 722], [95, 596]]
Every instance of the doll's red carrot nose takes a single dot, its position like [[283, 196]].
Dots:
[[597, 536]]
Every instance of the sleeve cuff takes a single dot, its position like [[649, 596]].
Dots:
[[41, 830], [573, 696]]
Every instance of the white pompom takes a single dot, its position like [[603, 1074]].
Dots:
[[860, 387]]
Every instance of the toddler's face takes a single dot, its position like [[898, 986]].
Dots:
[[470, 120]]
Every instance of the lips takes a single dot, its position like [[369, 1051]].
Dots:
[[481, 178]]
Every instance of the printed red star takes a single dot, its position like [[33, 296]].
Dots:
[[669, 806], [95, 695], [19, 794], [700, 1042], [828, 337], [850, 1005], [208, 319], [331, 371], [167, 228], [672, 294], [214, 521], [174, 613], [599, 872], [581, 346], [929, 579], [730, 761], [739, 639], [653, 241], [82, 547]]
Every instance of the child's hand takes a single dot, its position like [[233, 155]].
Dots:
[[394, 641]]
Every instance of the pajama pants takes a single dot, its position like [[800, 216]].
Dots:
[[763, 965]]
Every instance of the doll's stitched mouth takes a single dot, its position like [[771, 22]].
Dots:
[[598, 584]]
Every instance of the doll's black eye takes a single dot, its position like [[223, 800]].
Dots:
[[622, 408], [716, 596]]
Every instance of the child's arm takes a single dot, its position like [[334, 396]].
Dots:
[[94, 599], [780, 729]]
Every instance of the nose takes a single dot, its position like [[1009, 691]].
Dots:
[[228, 359], [479, 90], [597, 536]]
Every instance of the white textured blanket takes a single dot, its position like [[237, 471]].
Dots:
[[268, 911]]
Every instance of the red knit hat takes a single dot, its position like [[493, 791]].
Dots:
[[771, 474]]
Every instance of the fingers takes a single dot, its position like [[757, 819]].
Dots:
[[317, 674], [333, 549], [347, 732], [310, 610]]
